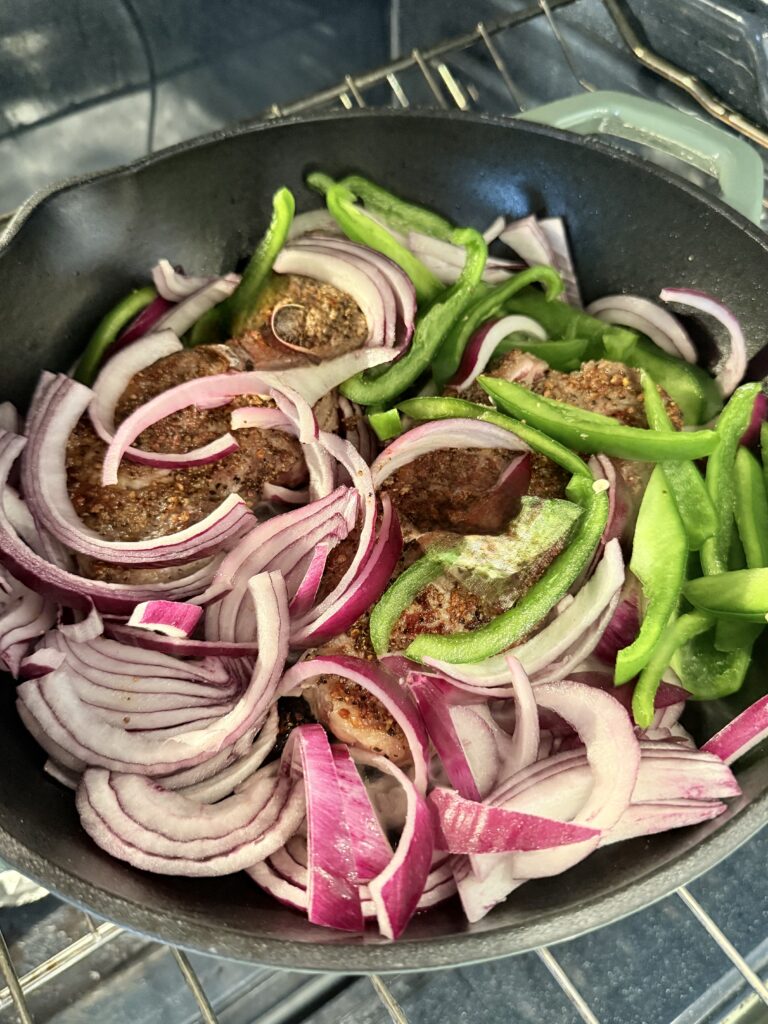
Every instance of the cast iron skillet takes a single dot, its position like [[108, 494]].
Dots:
[[73, 252]]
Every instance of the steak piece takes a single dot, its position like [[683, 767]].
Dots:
[[148, 502]]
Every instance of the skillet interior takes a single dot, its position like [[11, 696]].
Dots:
[[70, 255]]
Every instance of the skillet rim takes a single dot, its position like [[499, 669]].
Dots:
[[190, 931]]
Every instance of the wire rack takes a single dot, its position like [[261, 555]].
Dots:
[[425, 77]]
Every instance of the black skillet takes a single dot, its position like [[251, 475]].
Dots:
[[73, 252]]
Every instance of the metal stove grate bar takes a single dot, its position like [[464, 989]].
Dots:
[[446, 91]]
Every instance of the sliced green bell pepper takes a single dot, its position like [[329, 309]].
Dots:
[[677, 633], [720, 475], [560, 355], [592, 432], [402, 592], [512, 625], [751, 507], [400, 214], [108, 329], [230, 317], [386, 424], [705, 672], [685, 481], [359, 227], [489, 305], [391, 380], [741, 595], [690, 387], [659, 560], [439, 408]]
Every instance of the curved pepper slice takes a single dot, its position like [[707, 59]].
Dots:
[[719, 477], [740, 595], [369, 386], [685, 481], [689, 386], [512, 625], [359, 227], [592, 432], [457, 408], [489, 305], [751, 507], [230, 317], [396, 211], [563, 355], [402, 593], [108, 329], [677, 633], [659, 560]]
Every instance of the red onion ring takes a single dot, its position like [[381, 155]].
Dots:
[[640, 314]]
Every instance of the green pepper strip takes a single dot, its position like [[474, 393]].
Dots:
[[245, 297], [400, 594], [676, 634], [230, 317], [490, 305], [560, 355], [368, 387], [357, 225], [708, 674], [685, 481], [690, 387], [592, 432], [741, 595], [659, 560], [108, 329], [386, 424], [512, 625], [397, 212], [751, 508], [459, 408], [719, 477]]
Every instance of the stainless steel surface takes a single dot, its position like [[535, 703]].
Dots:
[[437, 75]]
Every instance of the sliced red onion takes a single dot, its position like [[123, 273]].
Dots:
[[640, 314], [61, 774], [624, 624], [277, 545], [651, 818], [285, 495], [174, 285], [21, 520], [44, 477], [366, 286], [381, 685], [306, 592], [466, 826], [187, 312], [227, 780], [332, 893], [310, 221], [182, 648], [52, 701], [171, 618], [438, 434], [583, 616], [365, 589], [759, 414], [397, 281], [371, 850], [735, 364], [486, 340], [158, 830], [397, 890], [115, 378], [528, 239], [430, 700], [24, 616], [140, 326], [304, 386], [66, 588], [556, 235], [446, 260], [10, 420], [356, 429], [89, 627], [604, 471], [259, 417], [494, 229], [741, 734]]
